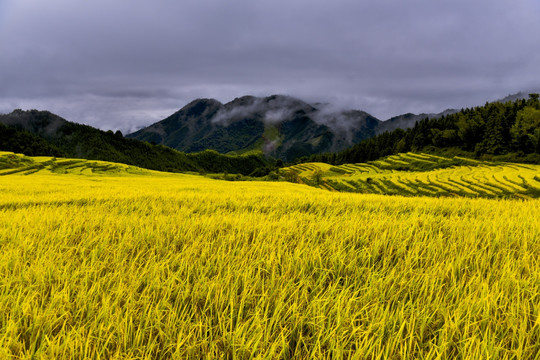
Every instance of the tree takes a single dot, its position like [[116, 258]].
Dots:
[[317, 177], [493, 142], [443, 138], [526, 130], [292, 176], [533, 100], [470, 129]]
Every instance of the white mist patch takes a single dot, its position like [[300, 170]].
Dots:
[[225, 116], [270, 110], [276, 109], [342, 121], [270, 146], [276, 116]]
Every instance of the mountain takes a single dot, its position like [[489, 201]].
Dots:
[[36, 132], [522, 95], [281, 126], [407, 121], [24, 142], [37, 122]]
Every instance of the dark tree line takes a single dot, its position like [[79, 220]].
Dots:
[[24, 142], [495, 129]]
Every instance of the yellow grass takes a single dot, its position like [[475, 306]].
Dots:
[[159, 266], [476, 179]]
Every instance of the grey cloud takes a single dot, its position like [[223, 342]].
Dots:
[[120, 64]]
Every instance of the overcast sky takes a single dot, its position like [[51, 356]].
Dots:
[[123, 64]]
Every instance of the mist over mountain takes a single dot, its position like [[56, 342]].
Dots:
[[280, 126], [522, 95], [407, 121]]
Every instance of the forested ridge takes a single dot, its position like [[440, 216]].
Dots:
[[507, 131], [496, 131], [41, 133]]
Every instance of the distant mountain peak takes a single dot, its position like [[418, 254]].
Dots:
[[521, 95], [199, 106], [36, 121], [292, 126], [242, 101]]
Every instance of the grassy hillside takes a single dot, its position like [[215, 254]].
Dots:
[[110, 264], [414, 174]]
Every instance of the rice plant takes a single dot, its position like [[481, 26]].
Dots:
[[159, 266]]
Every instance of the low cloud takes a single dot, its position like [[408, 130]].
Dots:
[[272, 109], [225, 116], [146, 59]]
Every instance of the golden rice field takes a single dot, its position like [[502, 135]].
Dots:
[[431, 175], [106, 261]]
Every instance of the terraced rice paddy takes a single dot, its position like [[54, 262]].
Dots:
[[107, 261], [18, 164], [424, 175]]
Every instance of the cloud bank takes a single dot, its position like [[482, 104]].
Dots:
[[125, 64]]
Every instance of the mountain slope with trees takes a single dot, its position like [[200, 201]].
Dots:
[[280, 126], [507, 131], [248, 127], [43, 133]]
